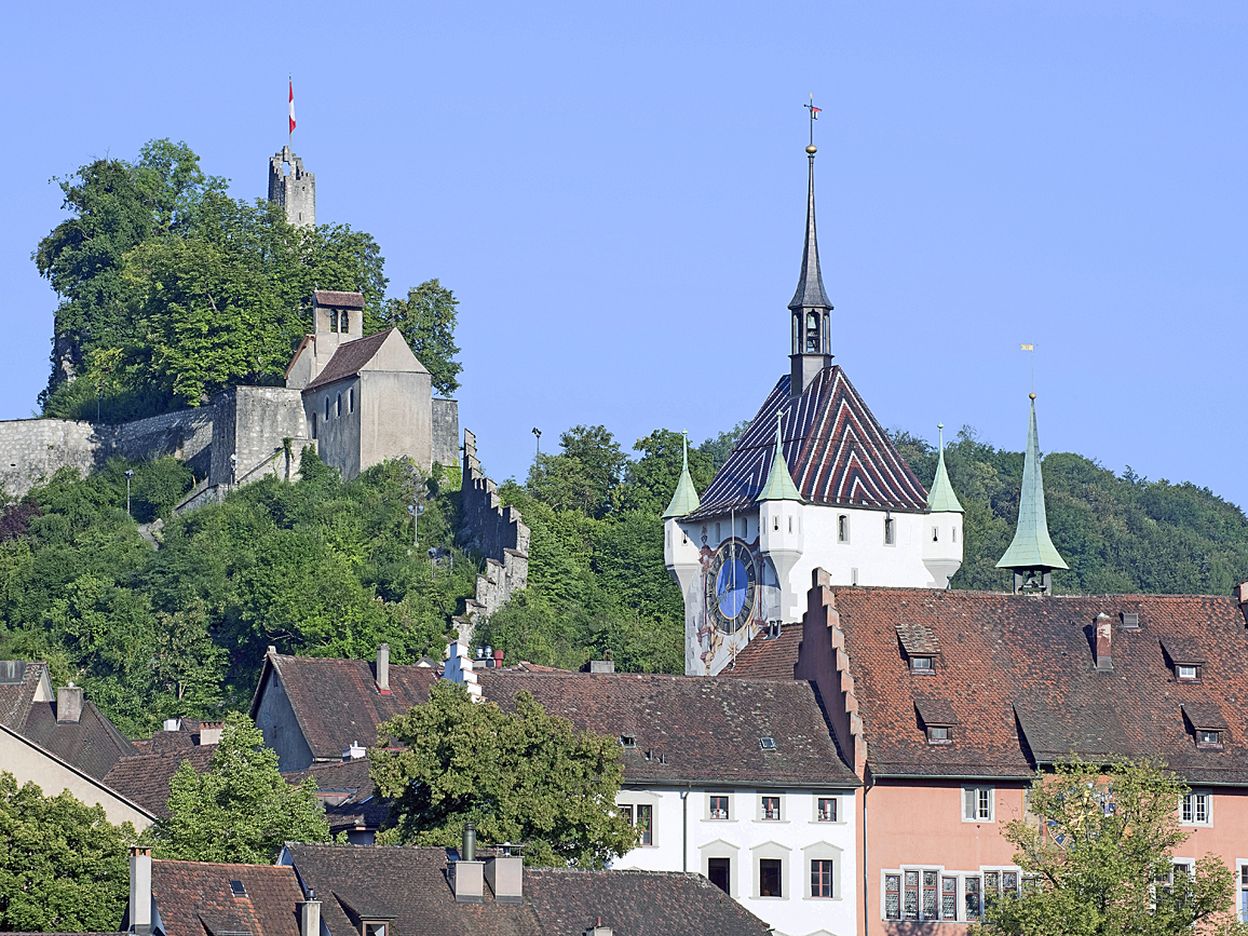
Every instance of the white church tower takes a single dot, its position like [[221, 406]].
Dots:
[[813, 482]]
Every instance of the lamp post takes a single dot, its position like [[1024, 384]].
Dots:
[[415, 510], [129, 475], [537, 434], [233, 468]]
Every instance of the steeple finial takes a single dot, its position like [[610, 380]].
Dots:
[[810, 293], [779, 484], [941, 498], [810, 311], [685, 499], [1032, 554]]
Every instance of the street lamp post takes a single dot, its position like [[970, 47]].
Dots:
[[233, 469], [537, 434], [415, 510], [129, 475]]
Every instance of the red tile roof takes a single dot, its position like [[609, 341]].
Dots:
[[336, 702], [764, 658], [1018, 673], [144, 778], [836, 451], [349, 358], [691, 729], [194, 898]]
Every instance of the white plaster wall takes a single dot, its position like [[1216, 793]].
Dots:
[[745, 838]]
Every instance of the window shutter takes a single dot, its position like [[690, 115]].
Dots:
[[968, 803]]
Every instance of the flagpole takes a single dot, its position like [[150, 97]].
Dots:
[[290, 131]]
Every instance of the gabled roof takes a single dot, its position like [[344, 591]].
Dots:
[[412, 884], [1019, 673], [337, 299], [194, 898], [837, 453], [351, 357], [690, 729], [336, 702]]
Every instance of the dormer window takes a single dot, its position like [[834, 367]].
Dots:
[[1207, 725], [1187, 671], [373, 928], [922, 664], [937, 719], [939, 734], [1185, 657], [1209, 738]]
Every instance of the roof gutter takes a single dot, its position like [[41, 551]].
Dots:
[[717, 784]]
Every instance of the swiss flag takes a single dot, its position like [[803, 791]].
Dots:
[[292, 106]]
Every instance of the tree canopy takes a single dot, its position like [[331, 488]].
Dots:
[[426, 317], [1101, 860], [520, 776], [241, 808], [63, 865]]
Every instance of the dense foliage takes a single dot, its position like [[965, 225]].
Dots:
[[320, 567], [63, 865], [1101, 859], [241, 808], [170, 290], [518, 776]]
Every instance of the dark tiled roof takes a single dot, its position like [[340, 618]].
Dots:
[[346, 791], [689, 728], [917, 639], [349, 358], [194, 898], [1205, 715], [144, 778], [411, 884], [336, 702], [935, 712], [338, 300], [836, 451], [1181, 650], [1019, 673], [17, 697]]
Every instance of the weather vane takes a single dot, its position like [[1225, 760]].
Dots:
[[814, 115]]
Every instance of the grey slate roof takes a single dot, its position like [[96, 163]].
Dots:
[[410, 886]]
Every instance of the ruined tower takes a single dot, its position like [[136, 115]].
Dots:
[[292, 187]]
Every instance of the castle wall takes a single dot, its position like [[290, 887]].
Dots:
[[254, 423], [445, 431]]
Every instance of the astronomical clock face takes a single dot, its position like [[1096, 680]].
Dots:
[[731, 583]]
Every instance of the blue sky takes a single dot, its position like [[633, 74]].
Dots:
[[616, 191]]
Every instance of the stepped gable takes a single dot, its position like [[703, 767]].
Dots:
[[688, 729], [336, 702], [196, 897], [1019, 674], [836, 450]]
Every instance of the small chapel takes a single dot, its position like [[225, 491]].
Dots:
[[813, 482]]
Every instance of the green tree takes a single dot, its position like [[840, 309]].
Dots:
[[520, 776], [241, 808], [584, 475], [1101, 855], [63, 865], [426, 318]]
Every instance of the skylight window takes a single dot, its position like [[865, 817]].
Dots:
[[767, 743], [237, 889]]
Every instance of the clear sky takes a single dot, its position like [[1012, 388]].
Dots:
[[615, 191]]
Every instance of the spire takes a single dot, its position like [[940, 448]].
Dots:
[[810, 293], [1032, 554], [941, 499], [779, 486], [685, 498]]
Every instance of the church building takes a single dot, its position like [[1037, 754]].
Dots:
[[813, 482]]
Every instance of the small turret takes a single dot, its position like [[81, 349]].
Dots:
[[780, 533], [681, 554], [1032, 555], [942, 544]]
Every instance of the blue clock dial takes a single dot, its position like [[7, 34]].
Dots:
[[731, 584]]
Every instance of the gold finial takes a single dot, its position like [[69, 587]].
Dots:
[[1032, 395], [812, 149]]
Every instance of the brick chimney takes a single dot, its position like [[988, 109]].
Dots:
[[310, 915], [1104, 642], [598, 929], [68, 704], [140, 890], [383, 669], [505, 875], [467, 873]]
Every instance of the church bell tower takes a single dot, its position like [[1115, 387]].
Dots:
[[810, 310]]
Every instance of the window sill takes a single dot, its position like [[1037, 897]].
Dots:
[[824, 899], [773, 821], [979, 821]]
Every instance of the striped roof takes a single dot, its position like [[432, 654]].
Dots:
[[838, 454]]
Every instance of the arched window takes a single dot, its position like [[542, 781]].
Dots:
[[338, 406], [842, 529], [351, 400], [327, 409], [812, 332]]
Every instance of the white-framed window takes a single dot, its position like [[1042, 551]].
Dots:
[[922, 664], [719, 806], [978, 804], [842, 528], [769, 807], [1241, 885], [939, 734], [1187, 671], [1196, 808], [642, 816], [770, 877], [719, 873], [827, 809], [823, 878], [373, 928]]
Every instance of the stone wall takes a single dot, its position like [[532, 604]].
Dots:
[[32, 450], [445, 431], [498, 533], [254, 424]]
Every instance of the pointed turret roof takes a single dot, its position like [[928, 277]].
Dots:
[[1032, 548], [810, 293], [779, 484], [941, 499], [685, 497]]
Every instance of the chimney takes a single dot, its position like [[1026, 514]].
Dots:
[[467, 878], [1241, 597], [598, 929], [140, 890], [310, 915], [354, 751], [1104, 642], [68, 704], [505, 875], [210, 733], [383, 669], [498, 657], [602, 666]]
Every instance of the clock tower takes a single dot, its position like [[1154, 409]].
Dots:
[[813, 482]]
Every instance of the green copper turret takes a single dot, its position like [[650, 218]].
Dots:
[[941, 499], [779, 484], [1032, 554], [685, 499]]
